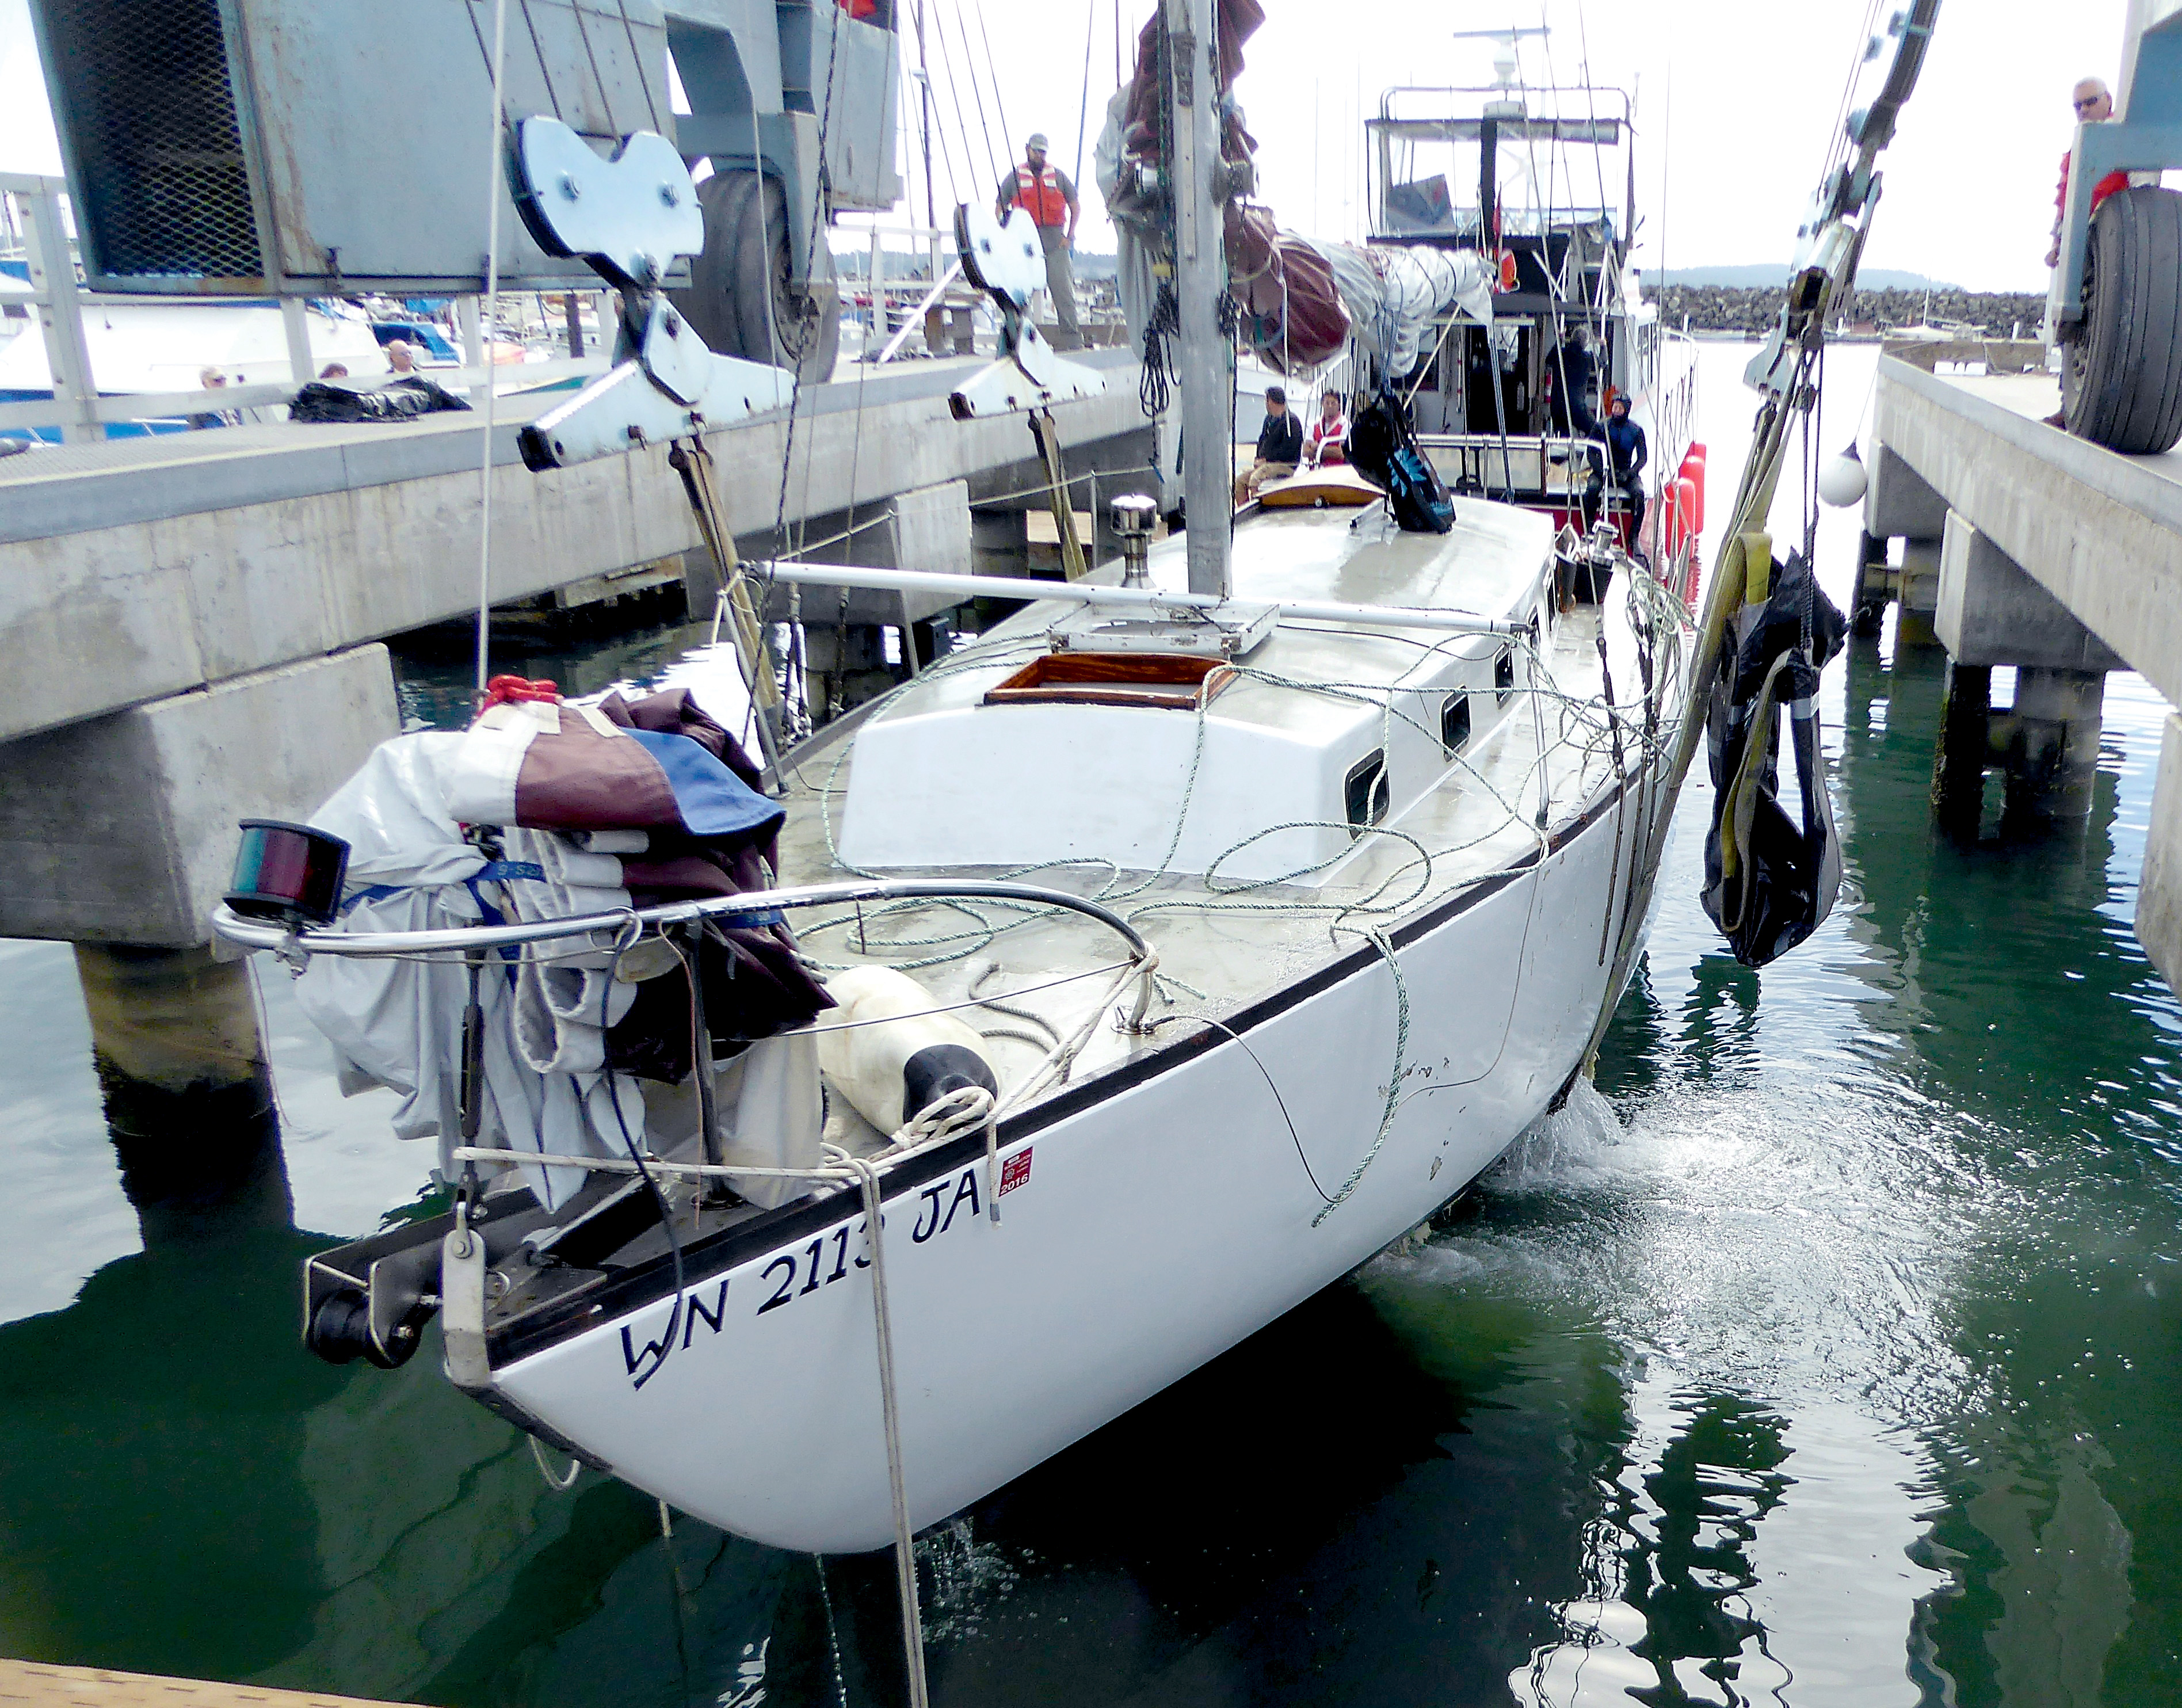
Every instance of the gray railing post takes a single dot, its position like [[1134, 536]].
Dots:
[[60, 310]]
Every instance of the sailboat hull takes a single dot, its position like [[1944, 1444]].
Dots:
[[1149, 1219]]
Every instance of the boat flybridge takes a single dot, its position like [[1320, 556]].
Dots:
[[834, 1138], [1541, 180]]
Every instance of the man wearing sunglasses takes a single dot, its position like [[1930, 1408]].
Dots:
[[2094, 104]]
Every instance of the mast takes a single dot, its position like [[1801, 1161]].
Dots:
[[924, 122], [1205, 364]]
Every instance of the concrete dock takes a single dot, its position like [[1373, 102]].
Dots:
[[2022, 547], [191, 621]]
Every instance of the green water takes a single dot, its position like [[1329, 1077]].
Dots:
[[1827, 1358]]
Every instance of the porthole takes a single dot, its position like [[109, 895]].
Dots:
[[1367, 794], [1454, 722], [1504, 675]]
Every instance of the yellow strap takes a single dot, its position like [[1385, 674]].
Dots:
[[1758, 552]]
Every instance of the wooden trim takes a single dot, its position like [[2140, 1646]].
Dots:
[[1162, 681]]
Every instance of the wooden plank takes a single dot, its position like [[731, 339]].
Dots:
[[1045, 531], [32, 1685]]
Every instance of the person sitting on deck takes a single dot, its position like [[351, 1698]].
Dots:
[[1280, 448], [1327, 442]]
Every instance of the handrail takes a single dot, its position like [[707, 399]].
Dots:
[[254, 933], [118, 407], [1159, 600]]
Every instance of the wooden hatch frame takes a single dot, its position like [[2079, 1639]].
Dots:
[[1166, 682]]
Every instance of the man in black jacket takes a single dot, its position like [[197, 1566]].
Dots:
[[1625, 444], [1280, 446]]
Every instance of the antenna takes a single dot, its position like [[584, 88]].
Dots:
[[1503, 58]]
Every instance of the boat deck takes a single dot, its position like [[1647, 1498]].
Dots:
[[1539, 754]]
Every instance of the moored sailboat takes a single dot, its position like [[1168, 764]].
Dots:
[[1156, 960]]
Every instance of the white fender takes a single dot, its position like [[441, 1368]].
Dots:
[[895, 1060]]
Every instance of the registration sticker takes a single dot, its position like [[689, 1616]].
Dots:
[[1015, 1172]]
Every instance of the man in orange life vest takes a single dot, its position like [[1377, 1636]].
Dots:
[[1050, 199]]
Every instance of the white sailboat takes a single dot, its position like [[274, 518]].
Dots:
[[1276, 883]]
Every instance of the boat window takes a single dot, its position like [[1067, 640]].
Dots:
[[1504, 674], [1454, 722], [1113, 678], [1367, 791]]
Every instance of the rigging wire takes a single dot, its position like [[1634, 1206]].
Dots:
[[993, 70], [962, 121], [1084, 106], [955, 94], [493, 191], [977, 95]]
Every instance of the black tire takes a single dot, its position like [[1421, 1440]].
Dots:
[[745, 263], [2121, 379]]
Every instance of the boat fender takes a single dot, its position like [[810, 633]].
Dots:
[[938, 1069], [889, 1055]]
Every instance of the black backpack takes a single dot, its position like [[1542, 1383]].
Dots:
[[1384, 452]]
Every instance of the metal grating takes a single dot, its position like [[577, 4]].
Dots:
[[151, 117]]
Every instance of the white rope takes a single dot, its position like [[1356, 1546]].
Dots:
[[904, 1544], [492, 191], [559, 1485]]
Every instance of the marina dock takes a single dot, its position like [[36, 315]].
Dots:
[[2023, 547], [173, 609], [24, 1684]]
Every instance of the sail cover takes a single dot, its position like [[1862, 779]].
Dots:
[[1302, 301], [1395, 293], [1305, 300]]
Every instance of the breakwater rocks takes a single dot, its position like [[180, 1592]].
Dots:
[[1731, 309]]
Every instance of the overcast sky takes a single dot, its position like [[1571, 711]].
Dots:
[[1734, 104]]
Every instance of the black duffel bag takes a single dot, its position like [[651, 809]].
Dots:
[[403, 401]]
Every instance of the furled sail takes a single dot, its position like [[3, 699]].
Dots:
[[1302, 301]]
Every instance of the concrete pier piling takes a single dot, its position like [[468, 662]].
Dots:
[[121, 828], [188, 1092], [188, 621], [2023, 549]]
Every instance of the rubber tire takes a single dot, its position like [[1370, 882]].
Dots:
[[746, 227], [2122, 378]]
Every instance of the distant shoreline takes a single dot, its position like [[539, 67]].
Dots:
[[1752, 311]]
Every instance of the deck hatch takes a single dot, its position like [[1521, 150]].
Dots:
[[1175, 683]]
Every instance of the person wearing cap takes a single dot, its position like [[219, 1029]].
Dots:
[[1280, 448], [1046, 194]]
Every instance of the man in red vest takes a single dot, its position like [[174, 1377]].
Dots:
[[1050, 199], [2094, 104]]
